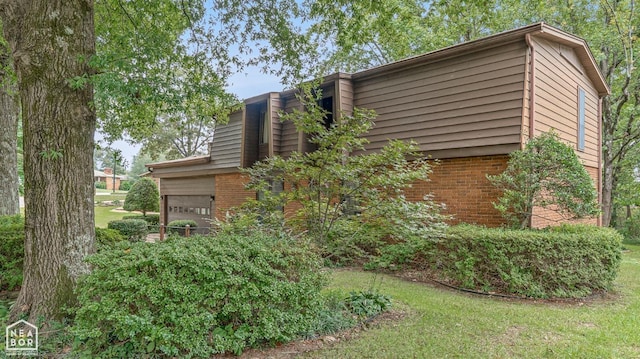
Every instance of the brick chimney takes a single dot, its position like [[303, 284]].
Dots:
[[108, 171]]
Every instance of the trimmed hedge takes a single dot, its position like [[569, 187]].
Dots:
[[11, 252], [196, 297], [135, 230], [151, 219], [564, 262], [179, 225]]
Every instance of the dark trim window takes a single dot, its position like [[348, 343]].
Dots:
[[264, 128], [581, 119], [327, 105]]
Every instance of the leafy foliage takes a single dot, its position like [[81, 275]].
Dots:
[[547, 173], [11, 252], [198, 296], [135, 230], [367, 304], [565, 261], [179, 226], [631, 229], [143, 196], [100, 185], [107, 237], [339, 182]]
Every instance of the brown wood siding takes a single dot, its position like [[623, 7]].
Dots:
[[344, 102], [275, 106], [466, 102], [289, 139], [251, 132], [188, 186], [558, 76], [225, 149]]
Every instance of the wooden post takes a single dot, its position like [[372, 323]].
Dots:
[[161, 232], [187, 231]]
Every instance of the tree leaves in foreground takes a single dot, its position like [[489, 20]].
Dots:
[[340, 182], [547, 174]]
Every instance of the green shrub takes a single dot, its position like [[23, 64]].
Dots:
[[631, 229], [11, 252], [334, 315], [151, 219], [135, 230], [125, 185], [565, 261], [367, 304], [101, 185], [143, 196], [196, 297], [106, 237], [179, 226]]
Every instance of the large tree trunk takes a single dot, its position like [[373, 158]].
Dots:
[[9, 111], [51, 42]]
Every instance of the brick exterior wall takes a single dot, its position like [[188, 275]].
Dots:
[[230, 192], [545, 217], [462, 185]]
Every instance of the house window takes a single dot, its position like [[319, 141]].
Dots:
[[264, 128], [581, 118], [327, 105]]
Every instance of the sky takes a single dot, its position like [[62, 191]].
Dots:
[[251, 82]]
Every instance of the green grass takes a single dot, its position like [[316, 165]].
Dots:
[[443, 323], [104, 215]]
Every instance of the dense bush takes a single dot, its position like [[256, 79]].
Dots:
[[11, 252], [106, 237], [101, 185], [151, 219], [196, 297], [125, 185], [143, 196], [546, 173], [565, 261], [178, 226], [631, 229], [135, 230]]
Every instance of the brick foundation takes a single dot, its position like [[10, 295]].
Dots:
[[462, 185]]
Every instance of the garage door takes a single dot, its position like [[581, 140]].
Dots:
[[197, 208]]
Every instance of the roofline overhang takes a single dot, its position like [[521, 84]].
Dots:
[[189, 161], [541, 29]]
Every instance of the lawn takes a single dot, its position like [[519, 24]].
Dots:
[[104, 215], [443, 323]]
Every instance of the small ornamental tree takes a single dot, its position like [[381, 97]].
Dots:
[[340, 183], [547, 172], [143, 197]]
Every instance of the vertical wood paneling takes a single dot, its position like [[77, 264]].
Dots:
[[275, 106], [289, 139]]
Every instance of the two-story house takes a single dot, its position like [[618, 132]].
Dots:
[[468, 105]]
